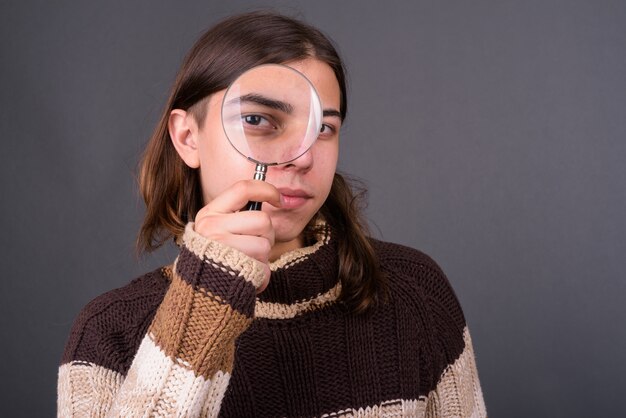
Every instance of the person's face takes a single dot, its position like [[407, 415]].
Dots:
[[304, 183]]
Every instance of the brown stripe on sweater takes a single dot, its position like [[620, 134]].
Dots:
[[297, 368], [361, 340], [222, 282], [197, 329], [313, 275], [346, 366]]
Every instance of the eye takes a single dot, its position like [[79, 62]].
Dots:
[[256, 120], [326, 130]]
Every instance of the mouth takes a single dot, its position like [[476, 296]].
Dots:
[[293, 198]]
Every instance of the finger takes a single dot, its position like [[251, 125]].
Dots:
[[255, 247], [239, 194], [245, 223]]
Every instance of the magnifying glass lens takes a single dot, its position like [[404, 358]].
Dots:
[[271, 114]]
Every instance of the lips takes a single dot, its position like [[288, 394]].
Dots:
[[293, 198]]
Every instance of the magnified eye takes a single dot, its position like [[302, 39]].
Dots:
[[257, 121], [253, 119]]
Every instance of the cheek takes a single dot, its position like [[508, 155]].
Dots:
[[221, 167], [326, 162], [329, 154]]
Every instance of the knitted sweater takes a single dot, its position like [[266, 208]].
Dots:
[[194, 339]]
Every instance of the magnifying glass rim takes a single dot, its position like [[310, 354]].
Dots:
[[271, 65]]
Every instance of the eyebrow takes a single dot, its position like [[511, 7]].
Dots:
[[331, 112], [263, 101]]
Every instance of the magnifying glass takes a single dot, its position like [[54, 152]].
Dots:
[[271, 115]]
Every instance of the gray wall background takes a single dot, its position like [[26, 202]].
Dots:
[[491, 134]]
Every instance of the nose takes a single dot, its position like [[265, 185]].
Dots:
[[302, 163]]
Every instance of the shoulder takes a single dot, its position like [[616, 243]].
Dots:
[[422, 296], [401, 257], [407, 266], [109, 329], [417, 281]]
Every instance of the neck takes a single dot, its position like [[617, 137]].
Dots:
[[281, 247]]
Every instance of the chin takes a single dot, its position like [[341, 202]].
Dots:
[[287, 234], [287, 230], [289, 224]]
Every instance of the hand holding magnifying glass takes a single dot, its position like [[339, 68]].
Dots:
[[271, 115]]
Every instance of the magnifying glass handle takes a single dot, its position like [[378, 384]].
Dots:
[[253, 206], [259, 174]]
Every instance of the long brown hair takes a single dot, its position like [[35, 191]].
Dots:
[[172, 190]]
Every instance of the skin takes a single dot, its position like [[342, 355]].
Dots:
[[292, 194]]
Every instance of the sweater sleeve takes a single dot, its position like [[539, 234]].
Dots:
[[458, 392], [449, 383], [184, 361]]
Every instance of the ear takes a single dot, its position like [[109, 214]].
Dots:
[[183, 131]]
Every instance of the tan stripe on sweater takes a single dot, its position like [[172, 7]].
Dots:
[[86, 389], [197, 329], [396, 408], [458, 393], [294, 257], [158, 386], [271, 310]]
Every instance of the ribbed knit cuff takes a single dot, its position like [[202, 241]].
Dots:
[[223, 256]]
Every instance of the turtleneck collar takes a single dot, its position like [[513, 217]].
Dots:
[[302, 279]]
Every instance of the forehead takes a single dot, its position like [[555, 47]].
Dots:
[[319, 73], [323, 78]]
